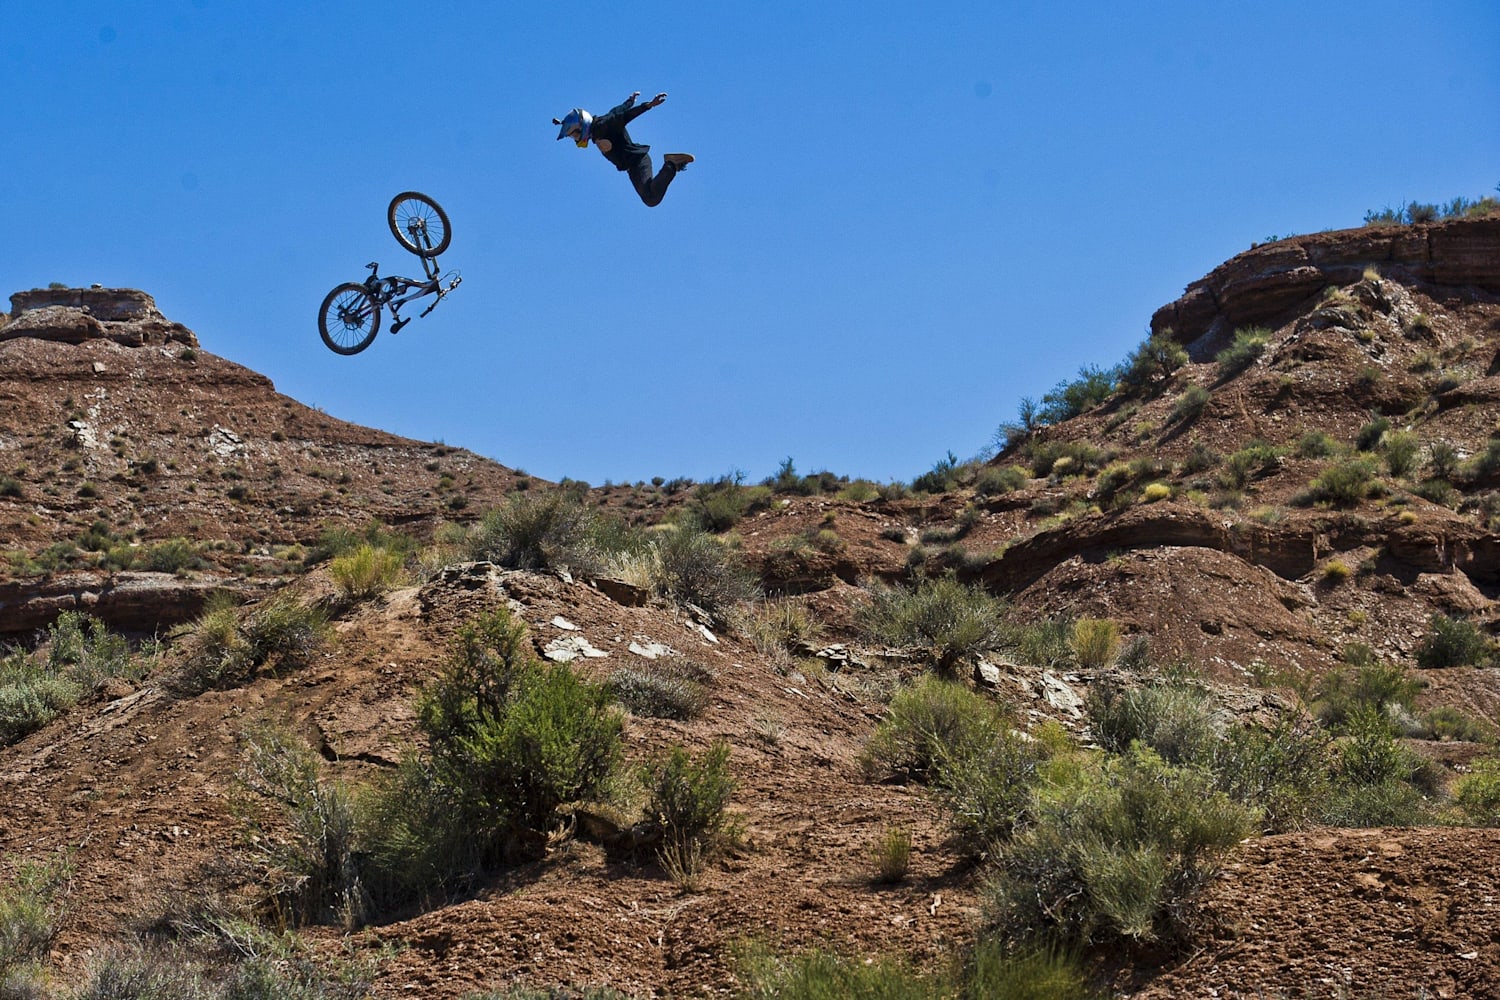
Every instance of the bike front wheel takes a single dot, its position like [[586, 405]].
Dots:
[[349, 319], [419, 224]]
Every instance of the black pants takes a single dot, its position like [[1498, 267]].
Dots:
[[651, 189]]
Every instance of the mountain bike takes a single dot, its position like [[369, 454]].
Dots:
[[350, 315]]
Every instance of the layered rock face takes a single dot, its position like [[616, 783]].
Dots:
[[73, 315], [1260, 284]]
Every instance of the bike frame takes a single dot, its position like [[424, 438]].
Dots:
[[384, 291]]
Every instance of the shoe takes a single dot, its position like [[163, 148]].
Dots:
[[678, 160]]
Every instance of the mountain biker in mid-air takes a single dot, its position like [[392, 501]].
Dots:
[[607, 132]]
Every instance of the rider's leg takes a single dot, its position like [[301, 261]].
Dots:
[[651, 189]]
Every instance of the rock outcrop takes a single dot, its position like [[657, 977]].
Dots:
[[73, 315], [1258, 285]]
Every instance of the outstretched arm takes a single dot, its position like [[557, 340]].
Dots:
[[634, 113]]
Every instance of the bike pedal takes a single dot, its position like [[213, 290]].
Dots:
[[396, 326]]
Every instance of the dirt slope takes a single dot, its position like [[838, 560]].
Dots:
[[162, 440]]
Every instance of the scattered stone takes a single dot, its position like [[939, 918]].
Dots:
[[571, 647], [651, 650], [564, 624]]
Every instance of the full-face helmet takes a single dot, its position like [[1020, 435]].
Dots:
[[575, 125]]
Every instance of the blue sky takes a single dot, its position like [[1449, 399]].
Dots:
[[903, 219]]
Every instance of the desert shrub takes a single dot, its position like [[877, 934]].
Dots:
[[985, 778], [37, 688], [172, 556], [514, 738], [947, 621], [1362, 683], [1453, 642], [1155, 492], [1251, 462], [1401, 452], [992, 480], [1478, 793], [667, 688], [366, 572], [719, 505], [259, 966], [30, 908], [1448, 723], [1343, 484], [941, 478], [311, 870], [538, 531], [995, 970], [1076, 458], [1189, 405], [925, 722], [697, 568], [226, 647], [891, 854], [1176, 720], [1444, 459], [821, 975], [1371, 433], [1281, 771], [1438, 491], [689, 795], [1095, 642], [1068, 399], [1042, 642], [1316, 444], [1117, 851], [1375, 780], [1249, 344], [509, 740], [1154, 360]]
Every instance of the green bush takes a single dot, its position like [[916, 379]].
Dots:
[[1068, 399], [311, 869], [1096, 641], [1375, 783], [1478, 793], [697, 568], [1154, 360], [1282, 772], [1076, 457], [1189, 405], [1448, 723], [1118, 851], [1316, 444], [996, 971], [1401, 452], [1177, 721], [80, 651], [926, 723], [891, 854], [539, 531], [30, 908], [946, 621], [993, 481], [943, 477], [1344, 483], [820, 975], [1363, 683], [670, 688], [366, 572], [985, 777], [226, 646], [1251, 462], [688, 795], [1248, 345], [1453, 642], [511, 739], [1372, 433]]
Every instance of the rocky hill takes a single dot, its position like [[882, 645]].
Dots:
[[1313, 467]]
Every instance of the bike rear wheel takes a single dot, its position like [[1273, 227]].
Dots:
[[419, 224], [349, 319]]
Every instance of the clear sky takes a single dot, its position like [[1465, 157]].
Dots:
[[904, 217]]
